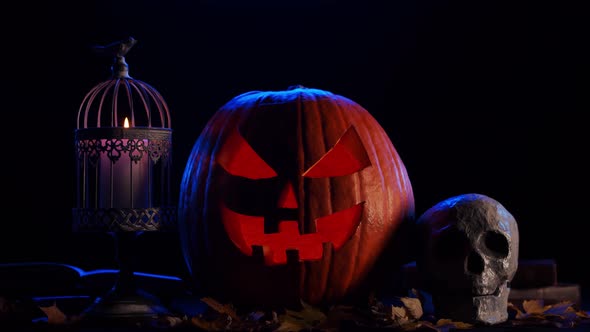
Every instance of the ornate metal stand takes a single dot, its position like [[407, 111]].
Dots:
[[125, 304], [123, 186]]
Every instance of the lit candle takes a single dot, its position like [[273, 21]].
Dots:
[[124, 182]]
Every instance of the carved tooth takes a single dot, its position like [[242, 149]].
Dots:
[[258, 253], [292, 256]]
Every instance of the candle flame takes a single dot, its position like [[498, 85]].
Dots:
[[126, 123]]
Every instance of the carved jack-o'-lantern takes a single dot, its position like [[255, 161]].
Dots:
[[290, 191]]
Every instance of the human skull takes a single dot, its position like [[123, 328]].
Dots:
[[467, 256]]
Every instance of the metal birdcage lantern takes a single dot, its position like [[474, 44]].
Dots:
[[123, 146]]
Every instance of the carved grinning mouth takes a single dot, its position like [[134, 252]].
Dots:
[[246, 231]]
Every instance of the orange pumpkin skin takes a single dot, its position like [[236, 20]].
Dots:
[[290, 195]]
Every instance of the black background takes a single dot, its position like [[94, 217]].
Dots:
[[477, 96]]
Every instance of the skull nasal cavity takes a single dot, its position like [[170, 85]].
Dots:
[[475, 263], [287, 198]]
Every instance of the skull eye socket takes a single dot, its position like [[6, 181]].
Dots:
[[451, 244], [497, 244]]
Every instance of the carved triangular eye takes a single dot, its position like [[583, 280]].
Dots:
[[347, 156], [238, 158]]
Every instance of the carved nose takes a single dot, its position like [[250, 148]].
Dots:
[[287, 199]]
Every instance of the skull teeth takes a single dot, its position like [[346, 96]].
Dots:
[[495, 293]]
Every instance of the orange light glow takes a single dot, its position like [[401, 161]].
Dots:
[[126, 123]]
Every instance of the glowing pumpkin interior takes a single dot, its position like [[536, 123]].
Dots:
[[239, 159]]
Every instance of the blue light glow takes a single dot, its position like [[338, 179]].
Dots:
[[83, 273], [142, 274]]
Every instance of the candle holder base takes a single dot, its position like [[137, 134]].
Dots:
[[125, 304], [137, 309]]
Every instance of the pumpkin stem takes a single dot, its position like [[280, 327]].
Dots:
[[296, 86]]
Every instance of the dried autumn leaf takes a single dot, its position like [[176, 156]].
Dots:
[[339, 313], [454, 324], [534, 306], [223, 322], [290, 325], [421, 325], [172, 321], [399, 315], [203, 324], [512, 306], [413, 307], [399, 312], [583, 314], [561, 315], [412, 326], [562, 310], [54, 314], [221, 308], [558, 309], [442, 325], [520, 314], [402, 311], [306, 318]]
